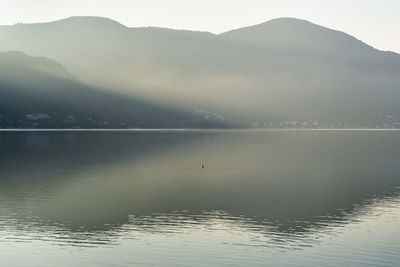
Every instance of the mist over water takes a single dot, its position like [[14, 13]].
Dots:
[[263, 197]]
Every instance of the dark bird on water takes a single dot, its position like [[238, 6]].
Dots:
[[202, 165]]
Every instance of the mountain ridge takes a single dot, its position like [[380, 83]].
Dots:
[[328, 73], [110, 21]]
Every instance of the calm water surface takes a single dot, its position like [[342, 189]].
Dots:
[[277, 198]]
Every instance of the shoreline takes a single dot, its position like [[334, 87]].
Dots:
[[196, 130]]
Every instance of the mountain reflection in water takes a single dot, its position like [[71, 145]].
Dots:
[[285, 187]]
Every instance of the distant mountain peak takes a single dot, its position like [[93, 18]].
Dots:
[[294, 34], [92, 21], [288, 20], [278, 22], [77, 22]]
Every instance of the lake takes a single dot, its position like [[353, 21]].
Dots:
[[140, 198]]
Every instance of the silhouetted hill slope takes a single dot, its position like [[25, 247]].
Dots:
[[298, 35], [38, 92], [284, 69], [303, 37]]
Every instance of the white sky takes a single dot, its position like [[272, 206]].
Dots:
[[376, 22]]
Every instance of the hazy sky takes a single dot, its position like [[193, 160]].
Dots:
[[376, 22]]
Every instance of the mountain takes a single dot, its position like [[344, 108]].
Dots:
[[281, 70], [295, 35], [40, 93]]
